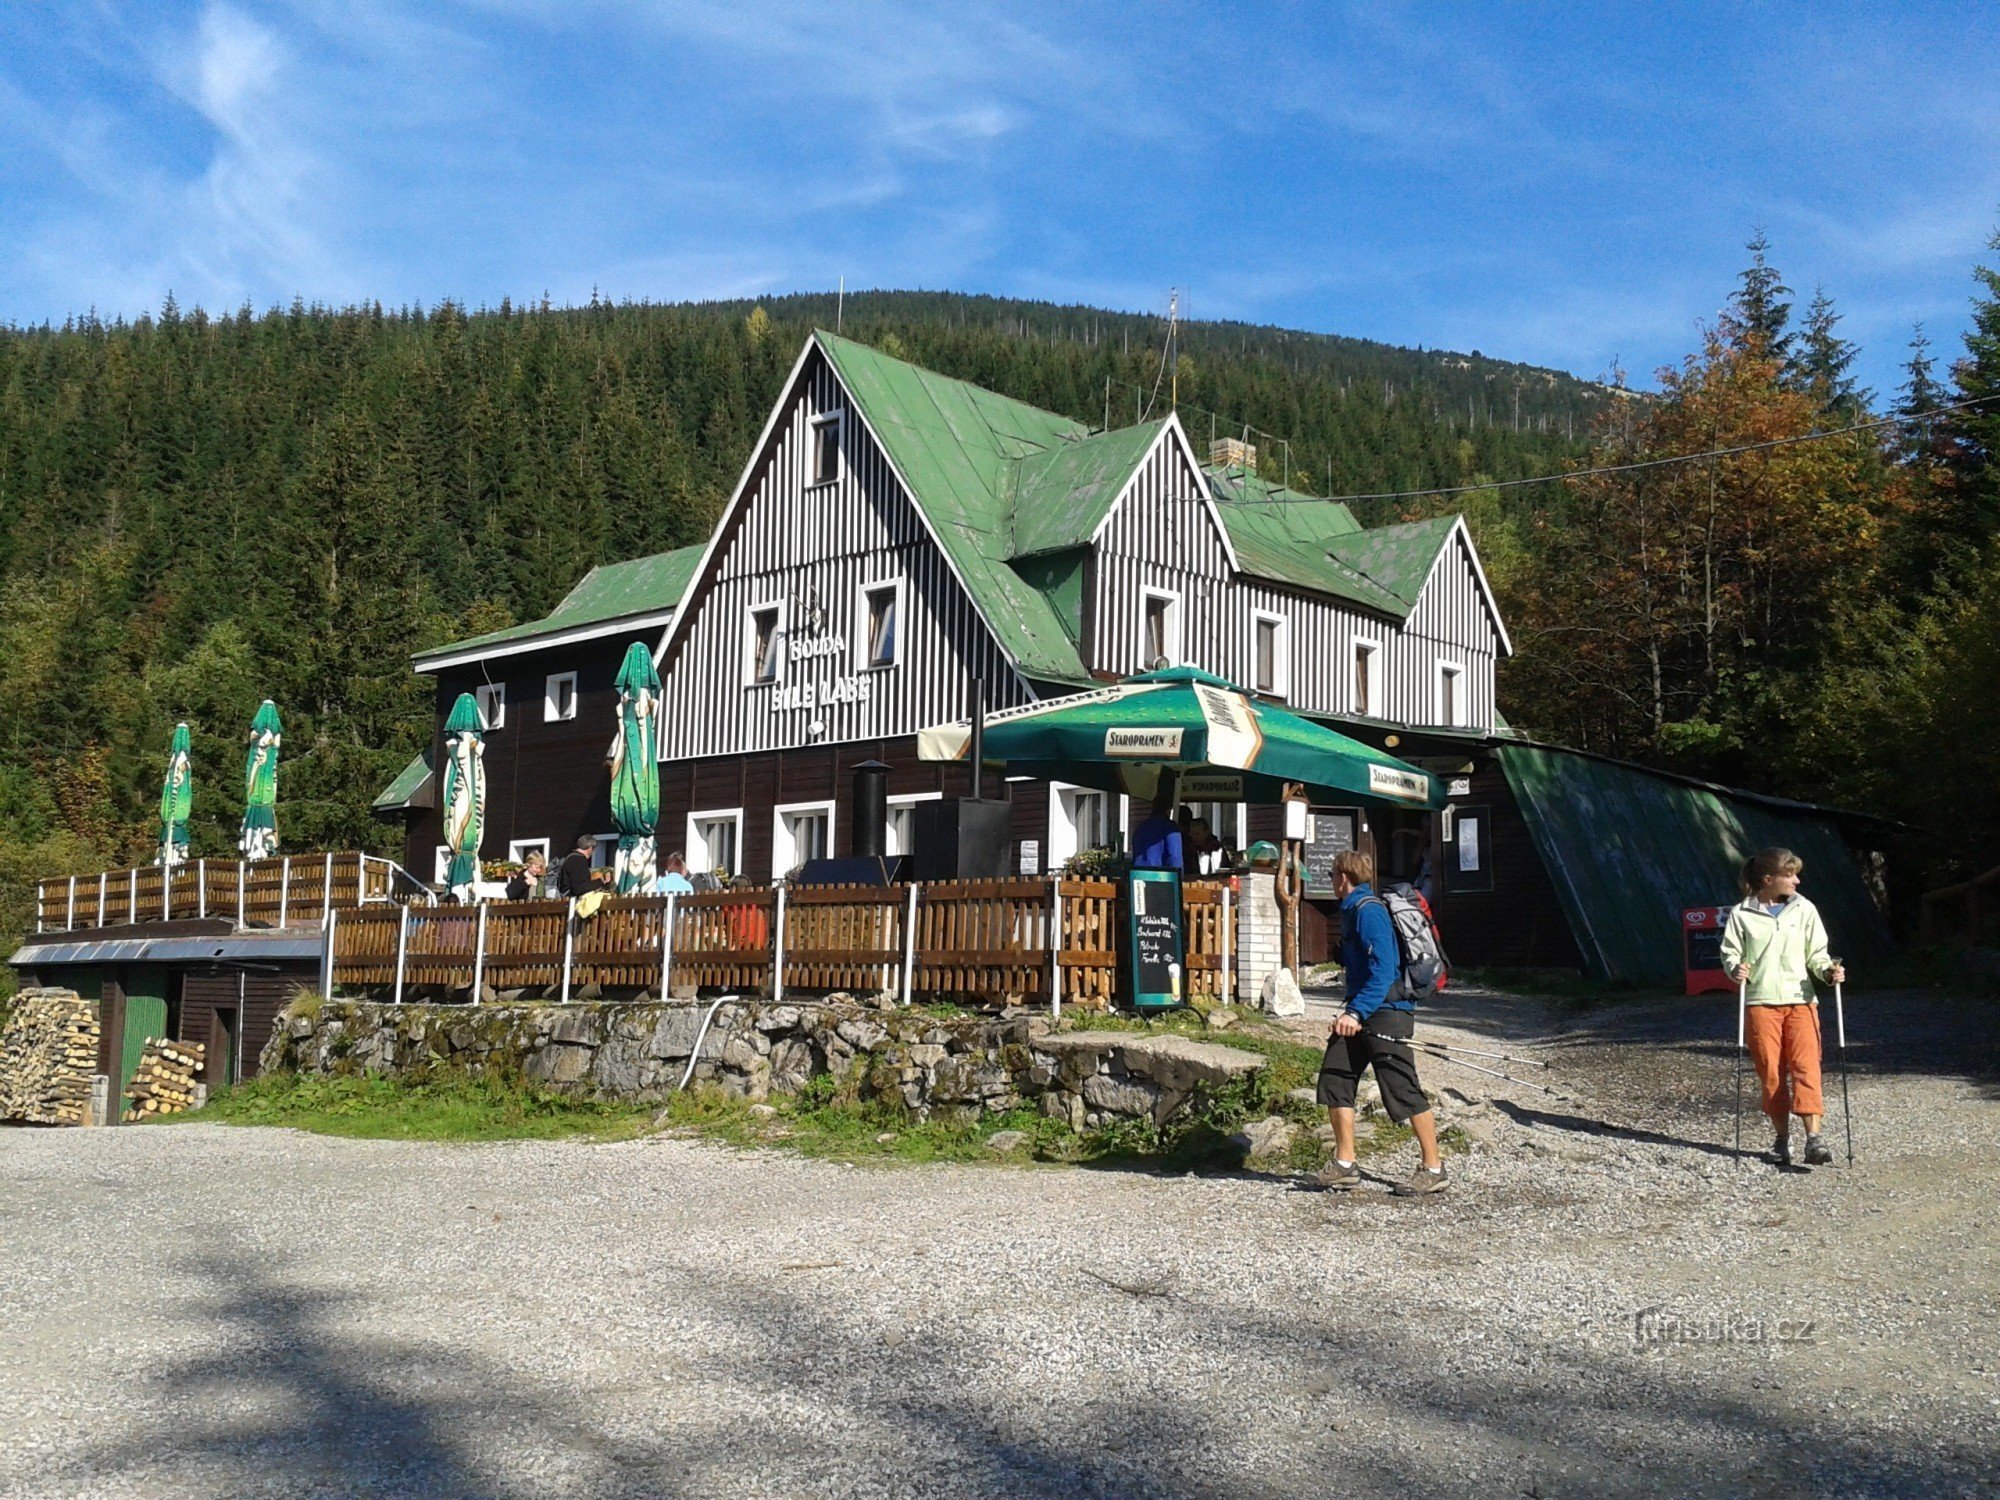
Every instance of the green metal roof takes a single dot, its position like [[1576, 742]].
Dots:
[[954, 445], [611, 591], [1627, 850], [1062, 496], [405, 790]]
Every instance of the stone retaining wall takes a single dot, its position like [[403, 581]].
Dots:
[[961, 1064]]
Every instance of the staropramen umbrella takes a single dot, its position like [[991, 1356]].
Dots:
[[635, 770], [464, 792], [1221, 745], [260, 786], [176, 801]]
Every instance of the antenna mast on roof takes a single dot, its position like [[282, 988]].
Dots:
[[839, 304], [1174, 347]]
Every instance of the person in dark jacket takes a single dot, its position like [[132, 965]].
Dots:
[[573, 874], [1374, 1030], [527, 881]]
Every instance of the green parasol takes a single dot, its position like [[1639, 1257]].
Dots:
[[464, 793], [260, 786], [1220, 745], [176, 801], [635, 770]]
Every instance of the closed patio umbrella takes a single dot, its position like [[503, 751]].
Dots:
[[176, 801], [259, 839], [464, 793], [635, 770], [1186, 723]]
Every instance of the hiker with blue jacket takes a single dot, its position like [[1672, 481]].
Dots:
[[1374, 1030]]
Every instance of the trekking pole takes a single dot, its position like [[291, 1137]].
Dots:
[[1526, 1062], [1742, 993], [1455, 1062], [1840, 1036]]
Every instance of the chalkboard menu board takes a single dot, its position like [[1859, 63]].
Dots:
[[1153, 959], [1330, 832]]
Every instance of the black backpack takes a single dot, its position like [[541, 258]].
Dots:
[[1423, 967]]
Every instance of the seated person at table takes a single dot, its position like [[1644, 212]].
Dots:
[[526, 882], [673, 878]]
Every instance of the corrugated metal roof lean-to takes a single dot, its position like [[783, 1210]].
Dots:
[[1626, 851], [411, 788]]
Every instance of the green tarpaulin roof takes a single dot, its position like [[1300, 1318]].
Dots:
[[611, 591], [1627, 851]]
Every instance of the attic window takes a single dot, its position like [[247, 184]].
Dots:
[[764, 635], [826, 449], [1160, 629], [1367, 679], [879, 646]]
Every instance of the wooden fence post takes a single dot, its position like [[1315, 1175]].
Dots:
[[910, 944], [778, 950], [326, 969], [569, 946], [1055, 948], [667, 947], [1225, 995], [402, 947], [479, 958]]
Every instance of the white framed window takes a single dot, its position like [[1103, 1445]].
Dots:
[[604, 851], [442, 869], [800, 831], [1270, 653], [559, 697], [1080, 818], [714, 839], [492, 700], [899, 836], [1159, 627], [764, 643], [826, 448], [1367, 681], [880, 618], [1450, 693], [519, 849]]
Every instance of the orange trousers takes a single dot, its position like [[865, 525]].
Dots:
[[1784, 1049]]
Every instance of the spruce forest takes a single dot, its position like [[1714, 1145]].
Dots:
[[198, 511]]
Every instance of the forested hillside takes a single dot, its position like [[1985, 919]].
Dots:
[[200, 511]]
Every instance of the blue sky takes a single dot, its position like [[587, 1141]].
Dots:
[[1566, 185]]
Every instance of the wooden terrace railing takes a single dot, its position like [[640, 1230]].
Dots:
[[296, 890], [1031, 940]]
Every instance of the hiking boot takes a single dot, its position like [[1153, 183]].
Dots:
[[1781, 1151], [1817, 1152], [1338, 1176], [1419, 1183]]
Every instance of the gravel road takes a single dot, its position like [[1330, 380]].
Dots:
[[201, 1310]]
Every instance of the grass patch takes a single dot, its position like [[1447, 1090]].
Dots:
[[443, 1106], [827, 1123]]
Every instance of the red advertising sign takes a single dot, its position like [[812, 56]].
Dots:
[[1701, 941]]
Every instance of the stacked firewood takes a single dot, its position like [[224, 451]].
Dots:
[[164, 1082], [48, 1057]]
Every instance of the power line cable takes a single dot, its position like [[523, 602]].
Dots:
[[1649, 463]]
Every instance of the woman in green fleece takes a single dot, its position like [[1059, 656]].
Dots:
[[1775, 946]]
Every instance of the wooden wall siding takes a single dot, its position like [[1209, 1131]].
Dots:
[[793, 540], [1161, 535], [1451, 619], [543, 780], [1520, 922]]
